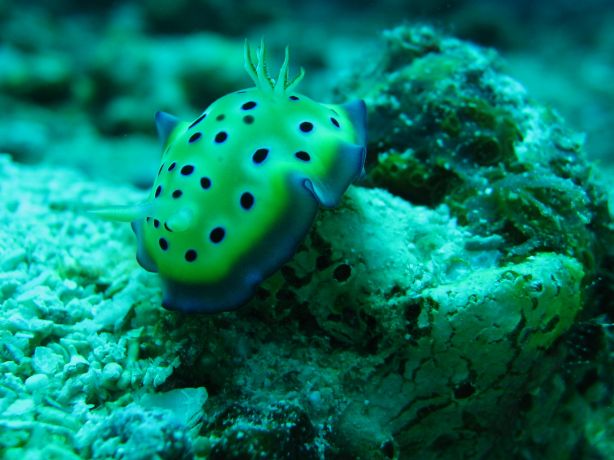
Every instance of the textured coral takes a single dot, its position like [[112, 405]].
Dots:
[[407, 325], [73, 324], [448, 127]]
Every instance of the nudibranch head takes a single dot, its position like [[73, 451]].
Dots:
[[238, 188]]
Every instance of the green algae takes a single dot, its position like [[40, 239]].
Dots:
[[426, 316], [462, 134]]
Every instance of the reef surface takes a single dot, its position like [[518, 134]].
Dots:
[[454, 305]]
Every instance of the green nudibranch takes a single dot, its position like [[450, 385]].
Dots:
[[239, 187]]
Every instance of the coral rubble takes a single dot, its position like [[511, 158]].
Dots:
[[437, 313]]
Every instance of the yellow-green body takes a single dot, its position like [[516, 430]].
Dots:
[[222, 214]]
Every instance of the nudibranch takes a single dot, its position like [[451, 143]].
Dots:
[[239, 187]]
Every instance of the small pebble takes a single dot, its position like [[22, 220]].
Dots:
[[37, 382], [111, 373]]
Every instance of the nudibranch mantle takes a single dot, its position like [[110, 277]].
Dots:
[[239, 187]]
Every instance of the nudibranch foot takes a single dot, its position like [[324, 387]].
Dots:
[[194, 298], [142, 256], [165, 124], [357, 113]]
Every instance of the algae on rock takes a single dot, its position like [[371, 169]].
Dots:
[[448, 127], [421, 318]]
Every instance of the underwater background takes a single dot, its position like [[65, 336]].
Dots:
[[457, 302]]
